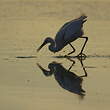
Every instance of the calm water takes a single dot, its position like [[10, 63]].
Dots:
[[23, 85]]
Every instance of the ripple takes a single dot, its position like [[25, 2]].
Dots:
[[98, 56], [26, 57], [88, 56]]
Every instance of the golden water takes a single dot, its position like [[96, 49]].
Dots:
[[23, 26]]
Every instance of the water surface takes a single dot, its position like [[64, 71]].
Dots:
[[23, 27]]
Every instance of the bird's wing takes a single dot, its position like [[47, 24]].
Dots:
[[73, 30], [61, 32], [70, 30], [67, 30], [81, 19], [65, 25]]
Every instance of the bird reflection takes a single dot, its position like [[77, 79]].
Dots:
[[65, 78]]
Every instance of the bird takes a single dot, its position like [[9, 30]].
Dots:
[[68, 33], [66, 79]]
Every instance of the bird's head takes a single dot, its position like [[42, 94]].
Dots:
[[47, 40], [46, 73]]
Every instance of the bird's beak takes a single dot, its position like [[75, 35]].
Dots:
[[41, 68], [41, 46], [46, 73]]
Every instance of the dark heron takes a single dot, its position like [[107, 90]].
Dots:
[[65, 78], [68, 33]]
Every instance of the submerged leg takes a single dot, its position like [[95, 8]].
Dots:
[[83, 69], [72, 51], [73, 62], [83, 46]]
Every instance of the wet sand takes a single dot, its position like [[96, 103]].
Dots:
[[23, 27]]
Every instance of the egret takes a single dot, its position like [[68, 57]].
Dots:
[[68, 33]]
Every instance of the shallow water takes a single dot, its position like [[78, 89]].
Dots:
[[24, 25]]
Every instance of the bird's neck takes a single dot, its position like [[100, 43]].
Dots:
[[53, 46]]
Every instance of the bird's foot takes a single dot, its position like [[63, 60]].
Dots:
[[81, 56]]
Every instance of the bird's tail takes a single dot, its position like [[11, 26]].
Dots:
[[83, 18]]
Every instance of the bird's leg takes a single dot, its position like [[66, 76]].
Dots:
[[71, 66], [83, 69], [72, 51], [73, 62], [81, 54]]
